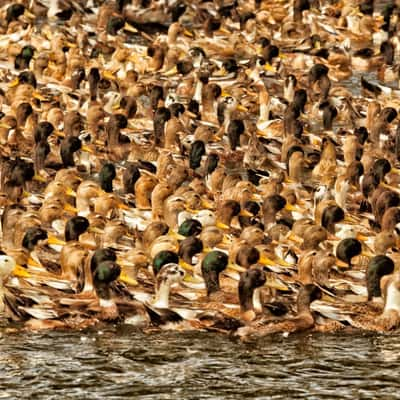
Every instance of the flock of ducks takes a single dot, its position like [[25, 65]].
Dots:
[[223, 165]]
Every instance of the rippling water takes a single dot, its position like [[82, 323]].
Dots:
[[121, 363]]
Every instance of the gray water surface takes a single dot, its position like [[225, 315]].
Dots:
[[121, 363]]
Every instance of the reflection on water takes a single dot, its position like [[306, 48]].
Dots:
[[123, 363]]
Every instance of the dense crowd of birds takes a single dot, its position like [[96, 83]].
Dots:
[[223, 165]]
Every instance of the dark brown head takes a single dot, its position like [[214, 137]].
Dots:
[[247, 255], [377, 267], [249, 280]]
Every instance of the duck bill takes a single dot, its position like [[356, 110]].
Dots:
[[188, 33], [221, 225], [71, 209], [283, 263], [123, 206], [87, 149], [192, 279], [366, 253], [275, 284], [13, 83], [361, 237], [70, 192], [395, 171], [191, 210], [349, 219], [226, 240], [33, 263], [288, 180], [223, 31], [341, 264], [266, 261], [130, 28], [39, 178], [236, 268], [268, 67], [20, 272], [294, 238], [59, 134], [109, 75], [55, 241], [70, 45], [37, 95], [191, 115], [186, 266], [123, 277], [176, 235], [171, 72], [291, 207], [206, 204], [28, 14], [386, 186], [245, 213], [241, 108]]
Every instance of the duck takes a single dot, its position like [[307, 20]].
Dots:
[[370, 314], [302, 321]]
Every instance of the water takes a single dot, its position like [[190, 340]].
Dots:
[[121, 363]]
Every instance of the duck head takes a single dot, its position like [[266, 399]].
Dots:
[[7, 265], [235, 130], [68, 147], [250, 280], [378, 267], [32, 237], [307, 294], [212, 265], [24, 57], [100, 255], [129, 177], [190, 247], [347, 249], [104, 274], [106, 176], [331, 215], [162, 258], [211, 236], [226, 211], [247, 255], [74, 227], [42, 131], [190, 227], [391, 219], [168, 275], [197, 151], [271, 206]]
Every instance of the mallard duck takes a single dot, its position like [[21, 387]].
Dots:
[[304, 319], [368, 315]]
